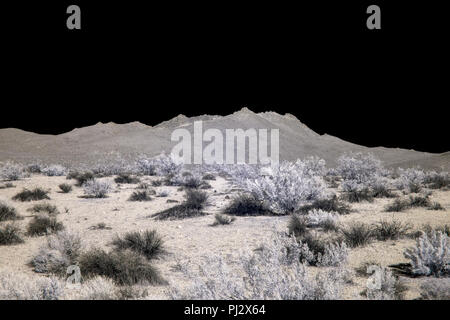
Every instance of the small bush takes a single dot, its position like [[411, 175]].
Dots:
[[140, 196], [147, 243], [221, 219], [124, 267], [196, 199], [44, 208], [208, 176], [8, 213], [435, 289], [354, 192], [431, 256], [397, 206], [410, 180], [54, 170], [436, 180], [157, 183], [162, 194], [435, 206], [388, 287], [126, 178], [391, 230], [357, 235], [97, 189], [61, 250], [7, 185], [429, 230], [10, 234], [317, 218], [82, 178], [419, 201], [143, 186], [11, 171], [65, 187], [31, 195], [247, 205], [382, 191], [15, 286], [298, 225], [43, 225], [34, 167], [330, 205]]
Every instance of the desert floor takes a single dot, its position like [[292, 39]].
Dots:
[[195, 237]]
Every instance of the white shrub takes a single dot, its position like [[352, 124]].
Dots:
[[335, 255], [287, 188], [410, 179], [22, 287], [98, 288], [360, 168], [435, 289], [385, 286], [54, 170], [272, 272], [12, 171], [113, 167], [60, 251], [167, 165], [146, 166], [312, 166], [431, 256], [318, 218], [97, 188]]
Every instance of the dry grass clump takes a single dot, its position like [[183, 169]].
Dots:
[[191, 207], [391, 230], [10, 234], [126, 178], [417, 201], [357, 234], [65, 187], [222, 219], [96, 188], [31, 195], [140, 196], [332, 204], [43, 225], [44, 208], [148, 243], [247, 205], [8, 213]]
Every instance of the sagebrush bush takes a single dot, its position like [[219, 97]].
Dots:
[[391, 230], [143, 186], [54, 170], [354, 192], [332, 204], [274, 272], [431, 255], [124, 267], [410, 180], [167, 165], [428, 229], [397, 205], [126, 178], [157, 183], [208, 176], [146, 166], [8, 213], [32, 195], [81, 178], [65, 187], [34, 167], [387, 287], [44, 208], [148, 243], [43, 225], [10, 234], [12, 171], [221, 219], [191, 207], [140, 196], [317, 218], [15, 286], [61, 250], [419, 201], [435, 289], [247, 205], [357, 234], [96, 188], [435, 180], [298, 225], [196, 199]]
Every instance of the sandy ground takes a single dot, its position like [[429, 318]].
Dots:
[[193, 238]]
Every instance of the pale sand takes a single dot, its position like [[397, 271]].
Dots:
[[193, 238]]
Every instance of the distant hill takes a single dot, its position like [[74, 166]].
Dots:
[[105, 141]]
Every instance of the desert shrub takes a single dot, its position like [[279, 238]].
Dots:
[[140, 196], [98, 288], [221, 219], [61, 250], [157, 183], [124, 267], [8, 213], [126, 178], [42, 225], [335, 254], [435, 206], [431, 255], [360, 168], [357, 235], [429, 230], [273, 272], [44, 208], [435, 289], [332, 204], [97, 189], [390, 230], [146, 166], [15, 286], [435, 180], [380, 189], [82, 178], [317, 218], [196, 199], [397, 205], [162, 193], [65, 187], [31, 195], [10, 234], [100, 226], [208, 176], [419, 201], [167, 165], [297, 225], [12, 171], [35, 167], [410, 180], [148, 243], [354, 192], [247, 205], [287, 187], [143, 186], [387, 287], [54, 170], [113, 167]]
